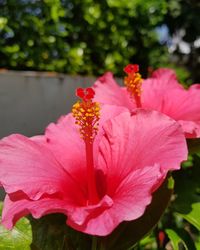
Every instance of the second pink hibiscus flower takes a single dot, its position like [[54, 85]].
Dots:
[[161, 92]]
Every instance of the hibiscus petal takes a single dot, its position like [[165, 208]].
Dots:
[[13, 211], [128, 203], [195, 86], [180, 104], [155, 88], [166, 79], [109, 92], [190, 128], [149, 138], [64, 141], [29, 167], [39, 139], [79, 216], [186, 104]]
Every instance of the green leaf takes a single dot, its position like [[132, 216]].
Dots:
[[18, 238], [175, 239], [197, 244], [149, 240], [170, 183], [187, 190], [180, 237], [129, 233], [193, 216]]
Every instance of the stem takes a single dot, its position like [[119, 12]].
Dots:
[[91, 180], [94, 243]]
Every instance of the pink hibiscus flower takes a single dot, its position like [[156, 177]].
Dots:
[[98, 181], [161, 92]]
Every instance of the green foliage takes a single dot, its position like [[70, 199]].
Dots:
[[177, 240], [181, 221], [84, 37], [187, 203], [91, 37]]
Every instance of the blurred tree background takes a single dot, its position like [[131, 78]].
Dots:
[[94, 36]]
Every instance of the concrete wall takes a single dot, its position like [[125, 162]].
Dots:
[[31, 100]]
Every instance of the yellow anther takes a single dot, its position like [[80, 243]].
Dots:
[[133, 83], [87, 115], [76, 105], [82, 110]]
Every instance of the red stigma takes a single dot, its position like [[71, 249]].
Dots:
[[80, 92], [131, 68], [85, 94]]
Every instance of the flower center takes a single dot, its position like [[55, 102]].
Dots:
[[86, 114], [133, 82]]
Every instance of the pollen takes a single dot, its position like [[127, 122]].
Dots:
[[86, 113], [133, 80]]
